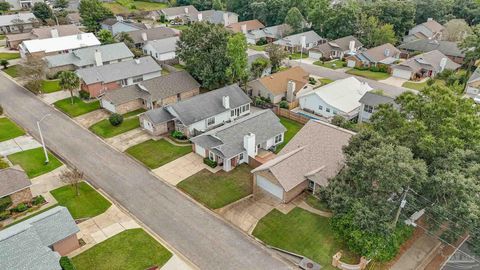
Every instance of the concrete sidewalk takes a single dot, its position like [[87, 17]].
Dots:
[[18, 144], [418, 254], [55, 96], [128, 139]]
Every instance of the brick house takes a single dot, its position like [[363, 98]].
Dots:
[[14, 183]]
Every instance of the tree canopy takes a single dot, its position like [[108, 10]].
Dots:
[[42, 11], [92, 13]]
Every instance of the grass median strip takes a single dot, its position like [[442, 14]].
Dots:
[[78, 107], [157, 153], [33, 162]]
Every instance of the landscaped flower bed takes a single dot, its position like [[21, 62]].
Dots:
[[21, 209]]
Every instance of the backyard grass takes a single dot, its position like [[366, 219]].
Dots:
[[157, 153], [369, 74], [259, 48], [88, 204], [11, 71], [9, 56], [325, 81], [116, 8], [303, 233], [316, 203], [9, 130], [179, 66], [420, 86], [50, 86], [130, 249], [295, 56], [106, 130], [129, 6], [33, 162], [292, 128], [216, 190], [334, 64], [78, 107], [134, 113]]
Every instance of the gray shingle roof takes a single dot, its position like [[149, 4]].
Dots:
[[214, 16], [179, 11], [156, 88], [7, 19], [85, 56], [13, 180], [294, 40], [152, 34], [429, 61], [24, 246], [206, 105], [374, 99], [475, 75], [165, 45], [339, 44], [159, 115], [228, 139], [118, 71], [424, 45]]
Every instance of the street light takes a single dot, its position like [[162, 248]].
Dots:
[[41, 138]]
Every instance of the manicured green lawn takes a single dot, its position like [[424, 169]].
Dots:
[[148, 6], [179, 66], [12, 71], [2, 36], [3, 164], [106, 130], [130, 249], [298, 55], [116, 8], [369, 74], [134, 113], [88, 204], [216, 190], [303, 233], [420, 86], [33, 162], [335, 64], [9, 130], [78, 107], [127, 6], [325, 81], [179, 27], [50, 86], [316, 203], [292, 128], [157, 153], [259, 48], [9, 56]]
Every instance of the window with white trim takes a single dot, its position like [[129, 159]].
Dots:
[[278, 138], [327, 109], [320, 107], [368, 108], [210, 121]]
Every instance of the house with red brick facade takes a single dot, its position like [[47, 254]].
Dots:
[[15, 184]]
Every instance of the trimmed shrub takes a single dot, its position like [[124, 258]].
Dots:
[[261, 41], [344, 64], [115, 119], [210, 163], [66, 263], [4, 215], [21, 207], [178, 135], [283, 104], [38, 200], [84, 94], [312, 80], [5, 202]]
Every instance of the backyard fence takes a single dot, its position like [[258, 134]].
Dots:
[[290, 115]]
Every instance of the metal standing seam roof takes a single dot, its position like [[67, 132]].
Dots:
[[227, 140], [118, 71], [13, 180]]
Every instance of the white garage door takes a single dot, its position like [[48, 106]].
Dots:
[[269, 187], [400, 73], [351, 63], [108, 106], [147, 125], [315, 55]]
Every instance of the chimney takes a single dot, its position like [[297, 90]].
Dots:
[[79, 36], [443, 64], [144, 36], [244, 28], [387, 52], [226, 102], [98, 58], [54, 32], [186, 10], [429, 19], [249, 144], [351, 46], [200, 17], [225, 19], [290, 91]]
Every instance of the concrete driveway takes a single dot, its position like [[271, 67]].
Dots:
[[128, 139], [246, 212], [44, 183], [394, 81], [55, 96], [91, 118], [18, 144]]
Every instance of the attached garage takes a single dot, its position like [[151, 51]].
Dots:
[[314, 55], [401, 73], [269, 187], [351, 63], [106, 104]]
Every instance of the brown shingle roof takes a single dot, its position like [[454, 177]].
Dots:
[[277, 83], [434, 26], [251, 25], [13, 180], [46, 32]]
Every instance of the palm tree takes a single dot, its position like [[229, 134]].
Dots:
[[70, 81]]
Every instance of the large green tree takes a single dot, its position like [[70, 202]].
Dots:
[[105, 37], [69, 81], [371, 33], [295, 20], [237, 58], [471, 45], [277, 54], [400, 14], [42, 11], [202, 48], [92, 13], [334, 21], [436, 9]]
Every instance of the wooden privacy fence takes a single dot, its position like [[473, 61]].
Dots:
[[290, 115]]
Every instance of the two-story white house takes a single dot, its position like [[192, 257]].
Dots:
[[370, 103], [198, 114]]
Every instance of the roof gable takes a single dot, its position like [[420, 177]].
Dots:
[[277, 83]]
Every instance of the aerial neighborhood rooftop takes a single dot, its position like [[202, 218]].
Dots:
[[254, 134]]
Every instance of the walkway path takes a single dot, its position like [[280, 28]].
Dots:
[[128, 139], [55, 96], [18, 144]]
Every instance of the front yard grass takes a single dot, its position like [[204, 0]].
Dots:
[[259, 48], [334, 64], [316, 203], [325, 81], [303, 233], [50, 86], [9, 130], [292, 128], [216, 190], [420, 86], [180, 27], [130, 249], [295, 56], [33, 162], [157, 153], [78, 107], [9, 56], [106, 130], [11, 71], [88, 204], [369, 74]]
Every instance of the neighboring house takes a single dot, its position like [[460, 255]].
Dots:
[[198, 114], [385, 54], [39, 241], [57, 45], [17, 23], [293, 43], [13, 40], [448, 48], [309, 160], [245, 26], [88, 57], [341, 97], [270, 34], [149, 94], [182, 14], [423, 65], [163, 50], [14, 183], [430, 29], [336, 49], [472, 89], [241, 141], [283, 85], [22, 4], [218, 17], [116, 26], [370, 103], [98, 80], [140, 37], [253, 57]]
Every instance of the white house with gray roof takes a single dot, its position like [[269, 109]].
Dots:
[[200, 113], [472, 89], [294, 42], [423, 65], [16, 23], [370, 103], [162, 50], [39, 242], [240, 141], [270, 34]]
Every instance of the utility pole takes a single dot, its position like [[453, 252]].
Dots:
[[41, 138], [403, 202]]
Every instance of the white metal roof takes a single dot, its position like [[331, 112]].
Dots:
[[61, 43]]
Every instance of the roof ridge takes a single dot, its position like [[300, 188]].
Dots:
[[277, 160]]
